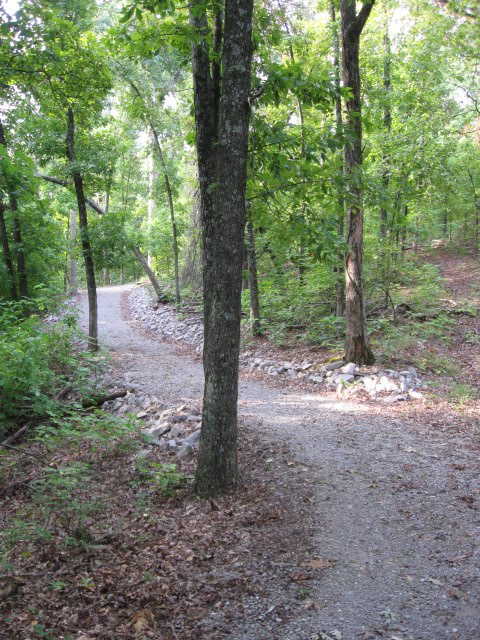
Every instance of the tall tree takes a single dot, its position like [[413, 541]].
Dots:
[[357, 347], [339, 267], [84, 235], [221, 89]]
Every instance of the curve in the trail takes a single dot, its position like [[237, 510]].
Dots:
[[386, 509]]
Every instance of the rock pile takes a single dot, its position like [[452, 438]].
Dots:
[[175, 430], [346, 378], [164, 321]]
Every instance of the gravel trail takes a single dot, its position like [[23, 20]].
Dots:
[[396, 502]]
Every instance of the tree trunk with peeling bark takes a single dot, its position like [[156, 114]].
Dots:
[[357, 347], [84, 235], [222, 117]]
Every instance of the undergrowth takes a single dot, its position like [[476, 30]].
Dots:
[[40, 354]]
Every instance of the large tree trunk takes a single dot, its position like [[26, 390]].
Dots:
[[172, 216], [7, 256], [253, 280], [357, 348], [84, 236], [222, 140]]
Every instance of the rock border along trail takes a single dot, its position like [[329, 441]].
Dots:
[[395, 512]]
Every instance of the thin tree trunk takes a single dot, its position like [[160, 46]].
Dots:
[[403, 239], [301, 250], [19, 247], [151, 276], [476, 204], [7, 256], [84, 235], [245, 281], [444, 223], [357, 347], [253, 280], [150, 206], [387, 125], [171, 207], [172, 216], [222, 163], [73, 275], [339, 268]]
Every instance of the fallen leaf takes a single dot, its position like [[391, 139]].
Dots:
[[142, 620], [388, 615], [410, 450], [435, 581], [300, 577], [318, 563]]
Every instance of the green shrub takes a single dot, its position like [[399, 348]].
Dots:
[[164, 477], [38, 357]]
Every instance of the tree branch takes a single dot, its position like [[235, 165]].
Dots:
[[362, 17], [65, 183]]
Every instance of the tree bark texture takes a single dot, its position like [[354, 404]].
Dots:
[[222, 140], [357, 348], [84, 235], [7, 256]]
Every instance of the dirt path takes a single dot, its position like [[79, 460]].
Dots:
[[396, 502]]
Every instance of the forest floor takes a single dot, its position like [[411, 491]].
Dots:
[[355, 520]]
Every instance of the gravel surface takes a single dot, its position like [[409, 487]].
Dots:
[[395, 509]]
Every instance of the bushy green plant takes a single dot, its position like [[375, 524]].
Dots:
[[39, 354], [60, 500], [165, 477], [98, 430]]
